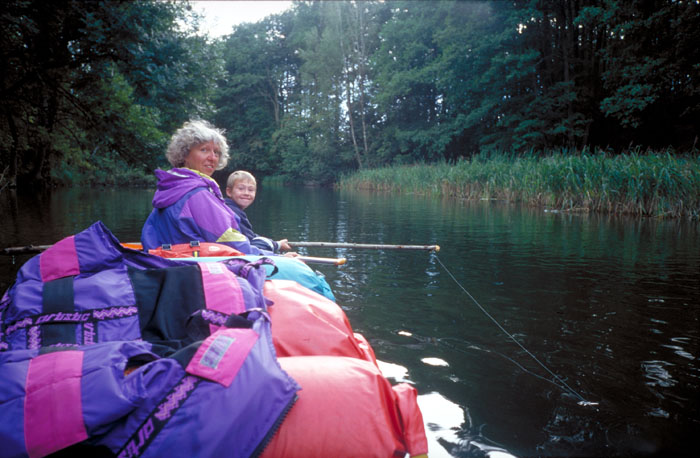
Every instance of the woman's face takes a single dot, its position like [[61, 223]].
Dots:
[[204, 158]]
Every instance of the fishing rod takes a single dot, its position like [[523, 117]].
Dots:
[[317, 260], [369, 246], [28, 249], [33, 249]]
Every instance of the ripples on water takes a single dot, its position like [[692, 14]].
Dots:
[[610, 305]]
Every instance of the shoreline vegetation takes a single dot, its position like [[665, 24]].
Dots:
[[662, 184]]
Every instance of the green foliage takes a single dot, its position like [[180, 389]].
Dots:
[[405, 68], [651, 184], [284, 103], [250, 96], [331, 87], [90, 87], [651, 78]]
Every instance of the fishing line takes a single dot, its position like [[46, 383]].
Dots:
[[442, 340], [582, 401]]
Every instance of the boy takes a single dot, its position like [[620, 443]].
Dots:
[[240, 189]]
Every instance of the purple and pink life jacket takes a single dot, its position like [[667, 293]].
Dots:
[[88, 288], [84, 312], [223, 396]]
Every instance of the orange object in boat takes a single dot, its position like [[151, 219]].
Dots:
[[188, 250], [346, 409], [307, 323]]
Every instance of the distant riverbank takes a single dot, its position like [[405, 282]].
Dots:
[[644, 184]]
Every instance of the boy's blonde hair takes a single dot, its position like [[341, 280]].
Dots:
[[239, 175]]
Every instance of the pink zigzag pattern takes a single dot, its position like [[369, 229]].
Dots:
[[214, 317], [20, 324], [114, 312], [175, 398], [34, 340]]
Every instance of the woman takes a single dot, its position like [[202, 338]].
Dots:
[[188, 204]]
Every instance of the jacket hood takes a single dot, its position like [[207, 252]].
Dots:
[[175, 183]]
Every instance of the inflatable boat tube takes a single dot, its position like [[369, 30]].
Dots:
[[305, 323], [346, 408]]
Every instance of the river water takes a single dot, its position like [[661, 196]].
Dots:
[[539, 333]]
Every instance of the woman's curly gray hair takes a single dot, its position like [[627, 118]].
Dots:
[[194, 133]]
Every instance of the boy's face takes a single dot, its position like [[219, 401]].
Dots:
[[242, 192]]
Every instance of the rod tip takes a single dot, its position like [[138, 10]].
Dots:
[[341, 261], [437, 248]]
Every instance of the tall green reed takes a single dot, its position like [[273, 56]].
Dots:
[[659, 184]]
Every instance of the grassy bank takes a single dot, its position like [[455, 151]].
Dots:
[[649, 184]]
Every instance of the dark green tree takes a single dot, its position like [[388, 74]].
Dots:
[[473, 53], [543, 81], [252, 99], [94, 86], [652, 70], [404, 72], [327, 87]]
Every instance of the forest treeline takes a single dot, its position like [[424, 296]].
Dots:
[[92, 91]]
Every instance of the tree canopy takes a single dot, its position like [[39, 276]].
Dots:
[[96, 88]]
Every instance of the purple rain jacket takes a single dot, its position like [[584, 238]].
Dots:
[[189, 206], [88, 288], [224, 396]]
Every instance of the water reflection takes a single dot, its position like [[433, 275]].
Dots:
[[444, 421], [608, 304], [435, 362], [657, 373]]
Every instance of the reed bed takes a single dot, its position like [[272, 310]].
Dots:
[[644, 184]]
